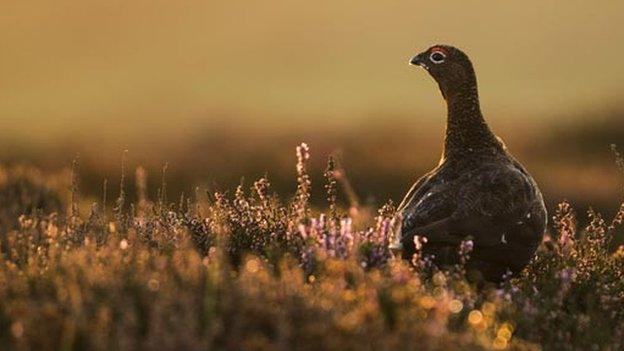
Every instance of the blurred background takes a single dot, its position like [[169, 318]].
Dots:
[[223, 91]]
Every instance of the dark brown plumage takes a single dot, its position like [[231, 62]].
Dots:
[[478, 189]]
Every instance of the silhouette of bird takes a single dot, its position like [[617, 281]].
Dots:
[[477, 191]]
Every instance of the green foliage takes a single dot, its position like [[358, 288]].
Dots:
[[248, 271]]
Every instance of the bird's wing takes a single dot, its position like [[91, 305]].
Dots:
[[491, 197], [418, 188], [427, 209], [498, 198], [494, 193]]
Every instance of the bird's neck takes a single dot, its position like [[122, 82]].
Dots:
[[466, 130]]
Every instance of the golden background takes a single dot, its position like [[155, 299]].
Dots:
[[225, 89]]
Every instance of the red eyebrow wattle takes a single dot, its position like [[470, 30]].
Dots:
[[438, 48]]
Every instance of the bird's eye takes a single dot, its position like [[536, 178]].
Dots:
[[437, 57]]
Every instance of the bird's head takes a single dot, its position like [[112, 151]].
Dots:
[[449, 66]]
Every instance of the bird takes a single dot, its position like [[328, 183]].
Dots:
[[478, 192]]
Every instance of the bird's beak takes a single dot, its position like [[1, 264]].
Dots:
[[417, 61]]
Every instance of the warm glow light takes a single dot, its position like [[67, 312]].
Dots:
[[455, 306], [475, 317]]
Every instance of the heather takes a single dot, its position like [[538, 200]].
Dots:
[[246, 269]]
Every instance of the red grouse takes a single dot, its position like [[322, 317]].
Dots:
[[478, 190]]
